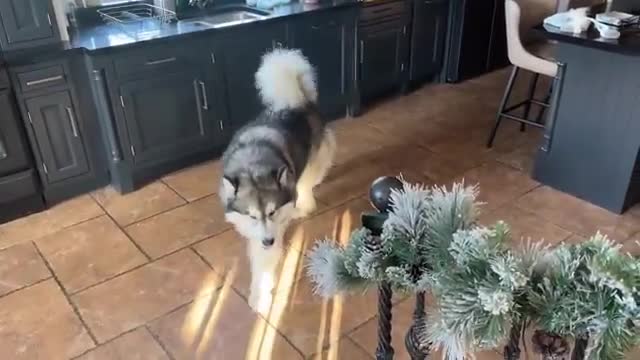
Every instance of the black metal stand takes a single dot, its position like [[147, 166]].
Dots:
[[414, 346], [512, 349], [379, 195], [579, 348], [384, 350]]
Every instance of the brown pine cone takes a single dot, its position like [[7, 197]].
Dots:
[[550, 346]]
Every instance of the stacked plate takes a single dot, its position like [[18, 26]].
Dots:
[[618, 19]]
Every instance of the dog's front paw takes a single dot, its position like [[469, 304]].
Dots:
[[260, 301], [254, 301], [305, 206]]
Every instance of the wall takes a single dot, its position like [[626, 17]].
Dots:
[[534, 11]]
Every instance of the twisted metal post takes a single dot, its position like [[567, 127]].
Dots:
[[550, 346], [579, 348], [379, 195], [512, 349], [415, 348], [384, 350]]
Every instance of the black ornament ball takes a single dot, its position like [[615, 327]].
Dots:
[[380, 192]]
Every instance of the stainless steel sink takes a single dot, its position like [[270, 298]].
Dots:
[[228, 17]]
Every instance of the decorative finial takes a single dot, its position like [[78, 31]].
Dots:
[[380, 192]]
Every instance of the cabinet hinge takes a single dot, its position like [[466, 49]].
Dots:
[[121, 101], [29, 116], [44, 168], [213, 58], [133, 150], [49, 19], [221, 125]]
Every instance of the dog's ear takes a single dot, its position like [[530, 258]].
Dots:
[[284, 177], [228, 188]]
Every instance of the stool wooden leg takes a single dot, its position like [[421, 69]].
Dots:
[[503, 104], [530, 95]]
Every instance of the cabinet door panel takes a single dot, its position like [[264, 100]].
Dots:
[[13, 151], [241, 58], [167, 117], [323, 43], [26, 20], [428, 37], [381, 56], [57, 133]]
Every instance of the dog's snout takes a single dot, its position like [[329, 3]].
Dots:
[[268, 241]]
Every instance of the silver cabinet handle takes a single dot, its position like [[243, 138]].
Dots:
[[361, 51], [205, 99], [45, 80], [72, 120], [161, 61], [199, 98]]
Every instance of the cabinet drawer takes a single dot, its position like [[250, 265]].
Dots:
[[18, 186], [380, 12], [152, 59], [41, 78]]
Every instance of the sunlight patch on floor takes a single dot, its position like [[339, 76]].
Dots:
[[201, 321]]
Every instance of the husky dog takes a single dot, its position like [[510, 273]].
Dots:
[[272, 164]]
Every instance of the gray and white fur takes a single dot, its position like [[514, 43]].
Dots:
[[272, 164]]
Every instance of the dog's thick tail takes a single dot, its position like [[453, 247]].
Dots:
[[286, 80]]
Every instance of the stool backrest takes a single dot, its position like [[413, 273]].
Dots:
[[518, 55]]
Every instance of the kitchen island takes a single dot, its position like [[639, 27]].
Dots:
[[594, 140]]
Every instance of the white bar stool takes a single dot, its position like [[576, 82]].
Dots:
[[521, 59]]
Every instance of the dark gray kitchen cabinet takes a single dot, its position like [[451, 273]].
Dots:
[[169, 116], [326, 40], [239, 55], [26, 23], [382, 59], [57, 136], [428, 34], [13, 151]]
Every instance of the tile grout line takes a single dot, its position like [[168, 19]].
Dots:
[[359, 346], [54, 232], [174, 190], [153, 260], [167, 210], [88, 287], [104, 343], [178, 307], [125, 234], [156, 338], [26, 286], [143, 218], [66, 296]]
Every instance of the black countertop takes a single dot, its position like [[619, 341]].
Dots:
[[106, 38], [628, 43]]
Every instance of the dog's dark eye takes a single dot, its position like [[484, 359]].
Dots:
[[273, 212], [253, 217]]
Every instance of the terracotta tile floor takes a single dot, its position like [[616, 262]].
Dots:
[[158, 274]]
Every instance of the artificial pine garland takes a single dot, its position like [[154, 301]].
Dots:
[[485, 292]]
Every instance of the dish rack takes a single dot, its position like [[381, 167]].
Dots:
[[137, 18]]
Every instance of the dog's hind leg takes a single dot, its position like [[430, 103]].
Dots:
[[313, 174]]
